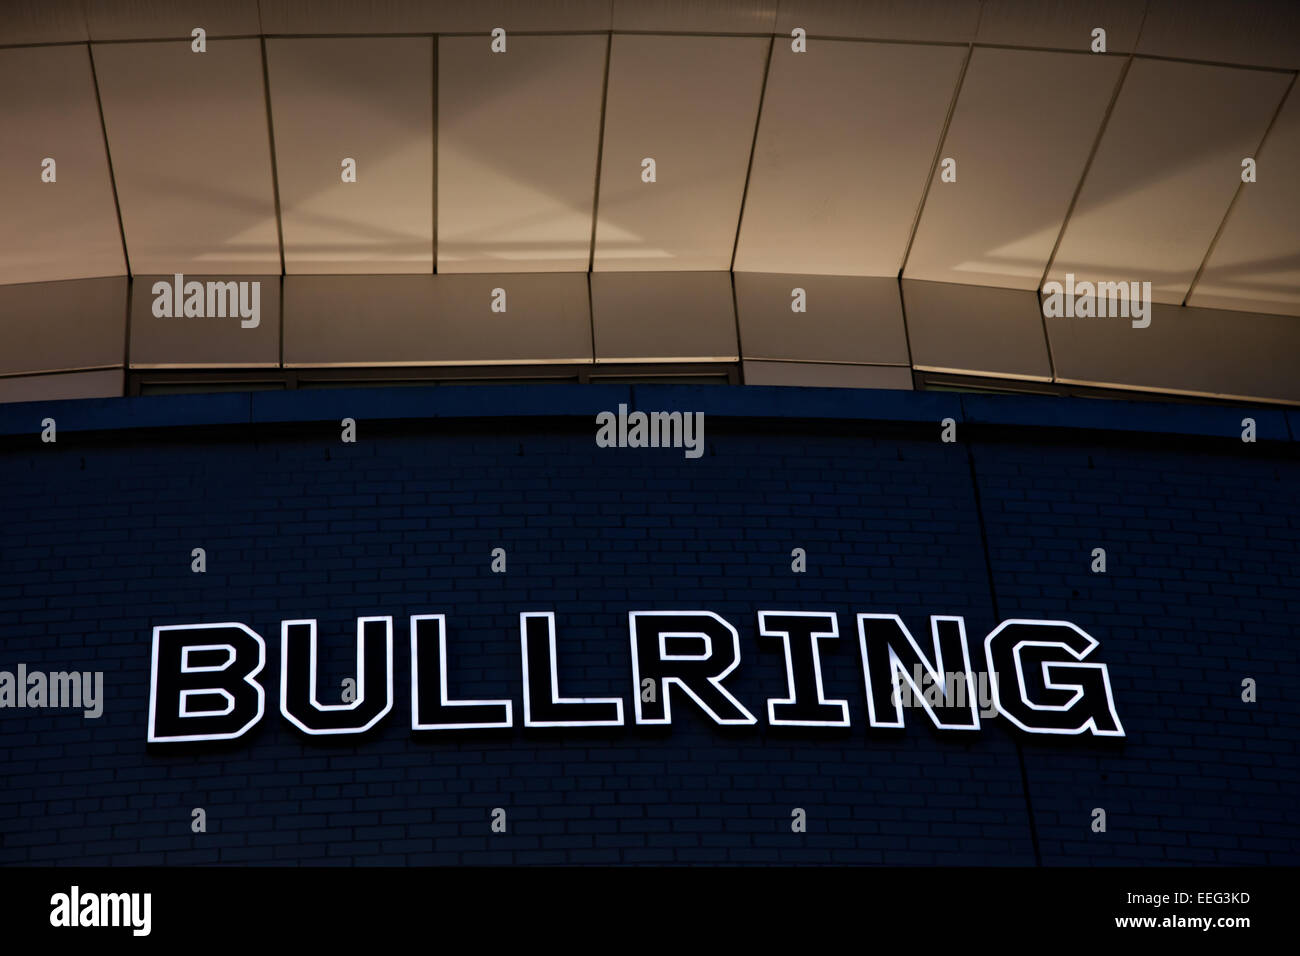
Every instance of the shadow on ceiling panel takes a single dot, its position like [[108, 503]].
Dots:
[[695, 16], [847, 319], [847, 137], [368, 99], [1206, 352], [972, 330], [1164, 173], [42, 21], [688, 103], [337, 321], [153, 19], [930, 21], [1255, 264], [1015, 136], [657, 317], [66, 229], [191, 154], [1061, 24], [1258, 33], [433, 16], [518, 136], [63, 326], [240, 327]]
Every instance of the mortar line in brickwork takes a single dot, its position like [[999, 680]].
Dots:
[[997, 616]]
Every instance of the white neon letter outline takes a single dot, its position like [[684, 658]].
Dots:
[[361, 676], [897, 671], [555, 682], [249, 678], [666, 682], [442, 683], [817, 636], [1091, 723]]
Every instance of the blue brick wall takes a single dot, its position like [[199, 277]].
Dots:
[[95, 541]]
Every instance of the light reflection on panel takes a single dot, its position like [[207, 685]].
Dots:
[[1016, 139], [846, 319], [65, 229], [653, 317], [1066, 25], [188, 136], [815, 375], [42, 21], [695, 16], [1259, 33], [845, 142], [518, 136], [62, 326], [973, 330], [688, 103], [1164, 173], [1256, 262], [108, 383], [146, 19], [240, 326], [436, 320], [369, 100], [433, 16], [1193, 351], [935, 21]]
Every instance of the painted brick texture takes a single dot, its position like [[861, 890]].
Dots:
[[1201, 591]]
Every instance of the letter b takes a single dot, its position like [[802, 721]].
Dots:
[[203, 684]]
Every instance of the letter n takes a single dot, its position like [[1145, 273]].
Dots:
[[890, 655]]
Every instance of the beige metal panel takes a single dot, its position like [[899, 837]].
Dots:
[[649, 317], [1015, 136], [846, 140], [369, 99], [108, 383], [695, 16], [812, 374], [518, 136], [1256, 262], [848, 319], [1061, 24], [689, 103], [433, 16], [1203, 352], [42, 21], [1164, 173], [63, 326], [150, 19], [435, 320], [213, 340], [931, 21], [973, 330], [190, 147], [66, 229], [1258, 33]]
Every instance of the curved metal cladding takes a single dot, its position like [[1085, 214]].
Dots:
[[813, 192], [467, 508]]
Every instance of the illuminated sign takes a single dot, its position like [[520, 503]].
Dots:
[[204, 682]]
